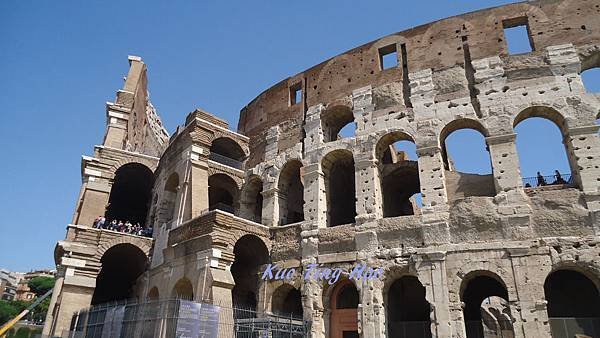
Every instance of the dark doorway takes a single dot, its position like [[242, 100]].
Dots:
[[408, 310], [291, 191], [338, 168], [477, 290], [573, 304], [130, 194], [250, 254], [121, 266]]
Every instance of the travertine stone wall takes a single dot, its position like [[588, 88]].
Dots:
[[452, 74]]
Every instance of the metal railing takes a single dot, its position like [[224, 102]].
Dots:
[[178, 317], [568, 327], [230, 162], [550, 180]]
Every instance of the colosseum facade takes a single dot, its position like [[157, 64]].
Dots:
[[286, 189]]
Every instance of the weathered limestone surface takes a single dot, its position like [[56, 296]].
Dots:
[[452, 74]]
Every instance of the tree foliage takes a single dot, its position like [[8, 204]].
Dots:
[[40, 285]]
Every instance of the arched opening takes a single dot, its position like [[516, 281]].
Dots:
[[590, 72], [464, 148], [291, 193], [399, 174], [121, 265], [408, 310], [153, 294], [183, 289], [226, 151], [250, 254], [544, 160], [467, 160], [222, 193], [573, 304], [338, 169], [475, 291], [337, 121], [251, 202], [130, 194], [287, 302], [168, 199], [343, 322]]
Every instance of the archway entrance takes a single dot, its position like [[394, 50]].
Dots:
[[130, 194], [573, 304], [477, 290], [250, 253], [121, 266], [287, 302], [408, 311], [344, 311]]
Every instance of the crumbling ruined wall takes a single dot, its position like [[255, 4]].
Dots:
[[437, 46]]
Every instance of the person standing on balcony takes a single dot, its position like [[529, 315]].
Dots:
[[559, 179], [541, 181]]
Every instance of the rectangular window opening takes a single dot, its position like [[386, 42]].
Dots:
[[388, 57], [517, 36], [296, 94]]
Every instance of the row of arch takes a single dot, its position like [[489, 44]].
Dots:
[[569, 293], [398, 174]]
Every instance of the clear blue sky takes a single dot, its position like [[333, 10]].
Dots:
[[60, 61]]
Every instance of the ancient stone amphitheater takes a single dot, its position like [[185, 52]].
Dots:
[[484, 255]]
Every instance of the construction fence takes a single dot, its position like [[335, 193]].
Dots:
[[181, 318]]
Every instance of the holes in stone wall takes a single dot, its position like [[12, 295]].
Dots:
[[464, 148], [518, 36]]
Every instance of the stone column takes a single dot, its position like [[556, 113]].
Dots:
[[313, 128], [74, 294], [270, 209], [272, 139], [117, 118], [434, 213], [372, 312], [94, 195], [432, 273], [432, 179], [505, 162], [198, 192], [532, 319], [583, 146], [363, 107], [222, 284], [315, 200], [368, 190]]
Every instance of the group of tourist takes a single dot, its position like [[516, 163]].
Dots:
[[541, 180], [127, 227]]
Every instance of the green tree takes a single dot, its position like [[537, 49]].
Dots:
[[9, 309], [40, 285]]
